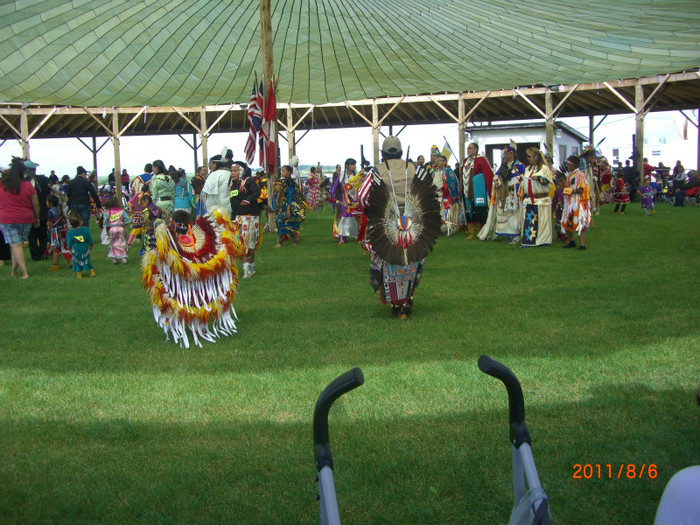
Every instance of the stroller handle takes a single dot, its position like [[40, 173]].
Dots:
[[340, 385], [516, 405]]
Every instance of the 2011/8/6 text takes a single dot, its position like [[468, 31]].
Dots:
[[609, 471]]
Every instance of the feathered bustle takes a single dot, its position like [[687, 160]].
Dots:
[[397, 240]]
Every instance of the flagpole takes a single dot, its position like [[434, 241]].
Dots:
[[268, 73]]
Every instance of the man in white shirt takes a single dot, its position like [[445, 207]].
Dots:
[[216, 188]]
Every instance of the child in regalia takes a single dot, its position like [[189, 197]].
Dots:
[[620, 195], [647, 193], [57, 226], [114, 219], [79, 242], [144, 214]]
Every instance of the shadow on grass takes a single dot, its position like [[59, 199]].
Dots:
[[449, 469]]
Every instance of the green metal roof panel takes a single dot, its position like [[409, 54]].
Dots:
[[198, 52]]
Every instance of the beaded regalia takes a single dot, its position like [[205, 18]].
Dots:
[[192, 279]]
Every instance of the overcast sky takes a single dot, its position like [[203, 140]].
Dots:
[[330, 147]]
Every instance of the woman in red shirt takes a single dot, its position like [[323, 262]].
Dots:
[[19, 209]]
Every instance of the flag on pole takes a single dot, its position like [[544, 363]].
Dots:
[[254, 123], [446, 150], [268, 141]]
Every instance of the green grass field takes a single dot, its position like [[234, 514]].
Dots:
[[102, 421]]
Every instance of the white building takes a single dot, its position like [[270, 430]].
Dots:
[[493, 138]]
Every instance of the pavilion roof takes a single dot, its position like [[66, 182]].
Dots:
[[188, 53]]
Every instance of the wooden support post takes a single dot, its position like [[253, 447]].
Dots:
[[291, 144], [591, 130], [194, 150], [461, 128], [375, 131], [117, 160], [639, 130], [24, 132], [697, 128], [94, 153], [203, 137], [268, 74], [549, 124]]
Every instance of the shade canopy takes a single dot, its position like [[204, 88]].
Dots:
[[198, 52]]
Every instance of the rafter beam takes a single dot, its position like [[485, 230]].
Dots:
[[655, 90], [109, 131], [559, 106], [223, 113], [9, 124], [535, 106], [47, 117], [392, 109], [619, 95], [473, 108], [121, 132], [359, 114], [180, 112], [438, 103]]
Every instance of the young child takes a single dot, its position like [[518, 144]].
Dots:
[[620, 195], [647, 194], [79, 241], [114, 219], [144, 214], [56, 224], [558, 208]]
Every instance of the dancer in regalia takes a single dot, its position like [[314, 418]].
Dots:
[[403, 224], [590, 156], [477, 178], [447, 187], [245, 214], [576, 217], [536, 202], [344, 191], [291, 210], [504, 211], [191, 276]]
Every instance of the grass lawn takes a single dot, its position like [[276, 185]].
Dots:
[[102, 421]]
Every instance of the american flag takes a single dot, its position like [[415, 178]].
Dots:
[[365, 188], [254, 123]]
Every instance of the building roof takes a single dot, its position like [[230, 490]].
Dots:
[[189, 53], [475, 130]]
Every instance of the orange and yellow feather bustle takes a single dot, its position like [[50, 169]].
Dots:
[[192, 279]]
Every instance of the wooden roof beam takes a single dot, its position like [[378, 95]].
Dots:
[[475, 106], [109, 131], [47, 117], [532, 104], [622, 98], [439, 104], [9, 124]]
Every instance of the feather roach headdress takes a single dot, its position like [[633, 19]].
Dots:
[[192, 279], [408, 235]]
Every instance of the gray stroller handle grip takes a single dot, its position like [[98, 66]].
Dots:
[[339, 386], [516, 405]]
